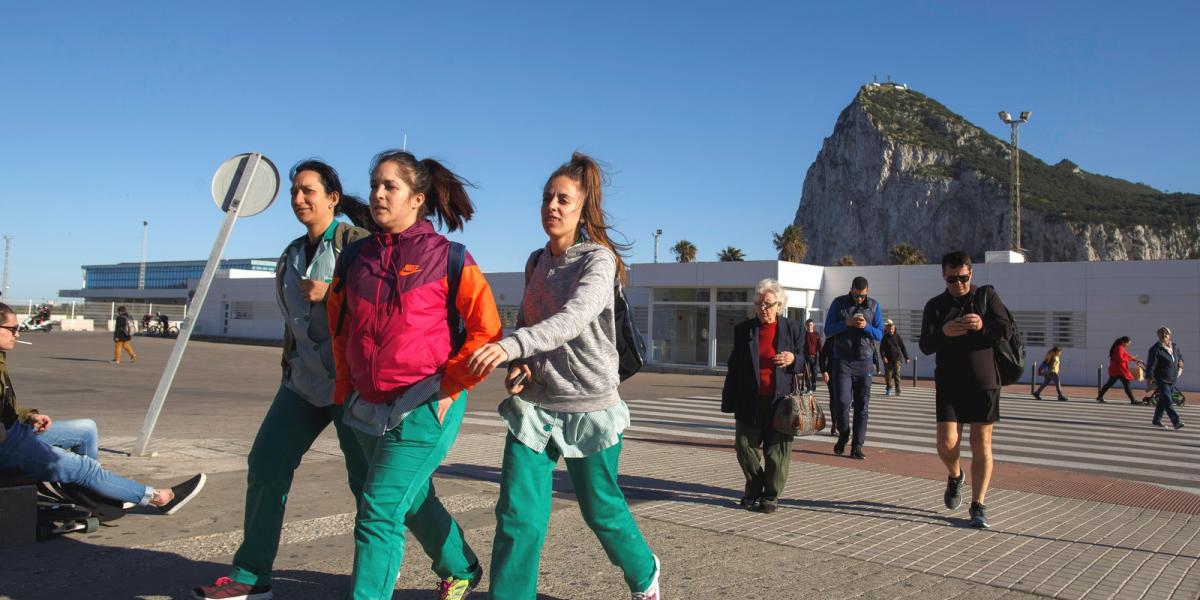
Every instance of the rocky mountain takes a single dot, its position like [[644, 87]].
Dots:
[[901, 168]]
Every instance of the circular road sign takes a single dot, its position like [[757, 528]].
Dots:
[[249, 178]]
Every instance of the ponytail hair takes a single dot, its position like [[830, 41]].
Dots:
[[445, 192], [593, 222], [353, 207], [1117, 343]]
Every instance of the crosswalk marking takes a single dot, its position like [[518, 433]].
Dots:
[[1114, 438]]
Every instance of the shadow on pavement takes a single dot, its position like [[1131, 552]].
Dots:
[[645, 489], [77, 359]]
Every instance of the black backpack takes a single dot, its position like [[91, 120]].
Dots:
[[454, 267], [631, 346], [1009, 353]]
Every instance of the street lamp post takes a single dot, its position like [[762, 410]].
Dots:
[[657, 234], [1014, 182]]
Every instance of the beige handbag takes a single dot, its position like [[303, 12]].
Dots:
[[798, 413]]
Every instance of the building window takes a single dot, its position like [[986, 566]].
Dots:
[[508, 316], [681, 295], [734, 295], [727, 318], [680, 334]]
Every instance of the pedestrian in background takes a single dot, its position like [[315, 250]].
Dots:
[[812, 353], [1118, 368], [122, 334], [760, 369], [961, 327], [1164, 364], [853, 325], [1049, 368], [894, 354]]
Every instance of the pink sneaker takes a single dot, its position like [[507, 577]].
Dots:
[[225, 588]]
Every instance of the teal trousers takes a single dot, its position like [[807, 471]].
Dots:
[[398, 496], [523, 513], [289, 429]]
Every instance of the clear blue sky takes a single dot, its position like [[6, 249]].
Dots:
[[709, 113]]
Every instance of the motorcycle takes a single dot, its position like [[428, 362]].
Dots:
[[39, 321]]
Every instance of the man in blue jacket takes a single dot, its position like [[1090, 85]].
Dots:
[[1164, 363], [853, 325]]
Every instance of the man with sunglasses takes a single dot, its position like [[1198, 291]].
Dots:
[[853, 325], [962, 326], [29, 445]]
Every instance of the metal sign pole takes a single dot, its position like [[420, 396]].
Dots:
[[185, 332]]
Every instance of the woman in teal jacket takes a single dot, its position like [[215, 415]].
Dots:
[[305, 404]]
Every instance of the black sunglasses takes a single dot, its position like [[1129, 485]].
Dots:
[[13, 328], [958, 278], [857, 296]]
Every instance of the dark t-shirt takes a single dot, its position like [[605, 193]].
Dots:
[[965, 363]]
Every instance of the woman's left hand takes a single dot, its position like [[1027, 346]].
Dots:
[[484, 360], [443, 407]]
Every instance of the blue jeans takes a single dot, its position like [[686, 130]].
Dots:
[[853, 391], [77, 435], [1165, 392], [25, 451]]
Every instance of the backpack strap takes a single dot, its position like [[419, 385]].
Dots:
[[980, 300], [340, 270], [532, 263], [455, 260]]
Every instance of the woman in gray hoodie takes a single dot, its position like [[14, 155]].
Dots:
[[563, 378]]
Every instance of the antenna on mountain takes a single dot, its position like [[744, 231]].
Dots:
[[404, 144], [875, 79], [889, 78]]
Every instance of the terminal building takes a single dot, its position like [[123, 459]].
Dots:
[[153, 287], [687, 311]]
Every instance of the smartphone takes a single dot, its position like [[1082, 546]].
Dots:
[[519, 379]]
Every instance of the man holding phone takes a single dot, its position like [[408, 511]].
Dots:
[[853, 325], [962, 326]]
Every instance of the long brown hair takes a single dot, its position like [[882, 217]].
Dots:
[[593, 222], [445, 192]]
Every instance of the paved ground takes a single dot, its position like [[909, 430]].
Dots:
[[1071, 520]]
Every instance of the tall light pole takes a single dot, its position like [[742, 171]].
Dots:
[[657, 234], [142, 266], [4, 285], [1014, 181]]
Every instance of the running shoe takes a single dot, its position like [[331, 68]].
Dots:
[[453, 588], [979, 516], [651, 592], [954, 486], [225, 588]]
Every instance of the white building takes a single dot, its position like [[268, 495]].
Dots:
[[687, 310]]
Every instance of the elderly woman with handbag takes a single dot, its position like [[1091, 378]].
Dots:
[[760, 370]]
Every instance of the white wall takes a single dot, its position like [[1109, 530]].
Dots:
[[257, 295]]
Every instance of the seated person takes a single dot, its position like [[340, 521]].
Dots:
[[31, 444]]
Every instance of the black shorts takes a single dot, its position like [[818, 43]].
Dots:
[[968, 406]]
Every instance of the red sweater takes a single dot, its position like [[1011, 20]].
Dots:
[[766, 357]]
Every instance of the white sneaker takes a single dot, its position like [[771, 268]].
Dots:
[[651, 592]]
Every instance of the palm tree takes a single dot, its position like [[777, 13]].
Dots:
[[731, 254], [846, 261], [791, 244], [685, 251], [906, 254]]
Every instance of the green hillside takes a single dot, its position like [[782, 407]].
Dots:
[[1054, 190]]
